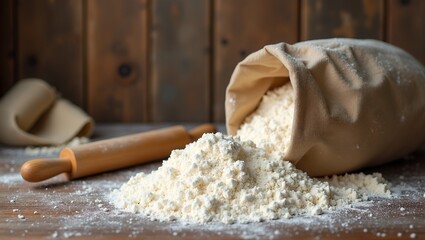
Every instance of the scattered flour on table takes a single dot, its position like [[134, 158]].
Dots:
[[48, 150], [10, 178], [242, 179]]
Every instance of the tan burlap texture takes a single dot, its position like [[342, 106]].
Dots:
[[358, 103], [32, 113]]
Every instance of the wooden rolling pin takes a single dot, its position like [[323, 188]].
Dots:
[[112, 154]]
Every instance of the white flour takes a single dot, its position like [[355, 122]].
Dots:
[[225, 179], [271, 123], [49, 150]]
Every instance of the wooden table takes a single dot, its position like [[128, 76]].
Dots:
[[58, 209]]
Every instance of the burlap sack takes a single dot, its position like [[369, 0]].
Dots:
[[32, 113], [358, 103]]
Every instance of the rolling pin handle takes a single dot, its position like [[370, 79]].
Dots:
[[41, 169], [197, 132]]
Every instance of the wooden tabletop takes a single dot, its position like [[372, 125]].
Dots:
[[56, 208]]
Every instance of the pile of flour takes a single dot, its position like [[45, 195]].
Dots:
[[243, 178], [270, 125]]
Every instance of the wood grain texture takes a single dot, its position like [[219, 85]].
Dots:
[[117, 56], [180, 60], [171, 60], [7, 45], [406, 24], [57, 209], [242, 27], [50, 44], [335, 18]]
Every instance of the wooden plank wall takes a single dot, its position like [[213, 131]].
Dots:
[[180, 60], [7, 45], [49, 44], [171, 60], [353, 19], [117, 60]]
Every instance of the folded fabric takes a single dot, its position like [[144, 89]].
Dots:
[[32, 113], [358, 103]]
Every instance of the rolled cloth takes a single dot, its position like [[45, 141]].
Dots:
[[358, 103], [32, 113]]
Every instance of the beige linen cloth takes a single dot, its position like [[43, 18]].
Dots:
[[358, 103], [32, 113]]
